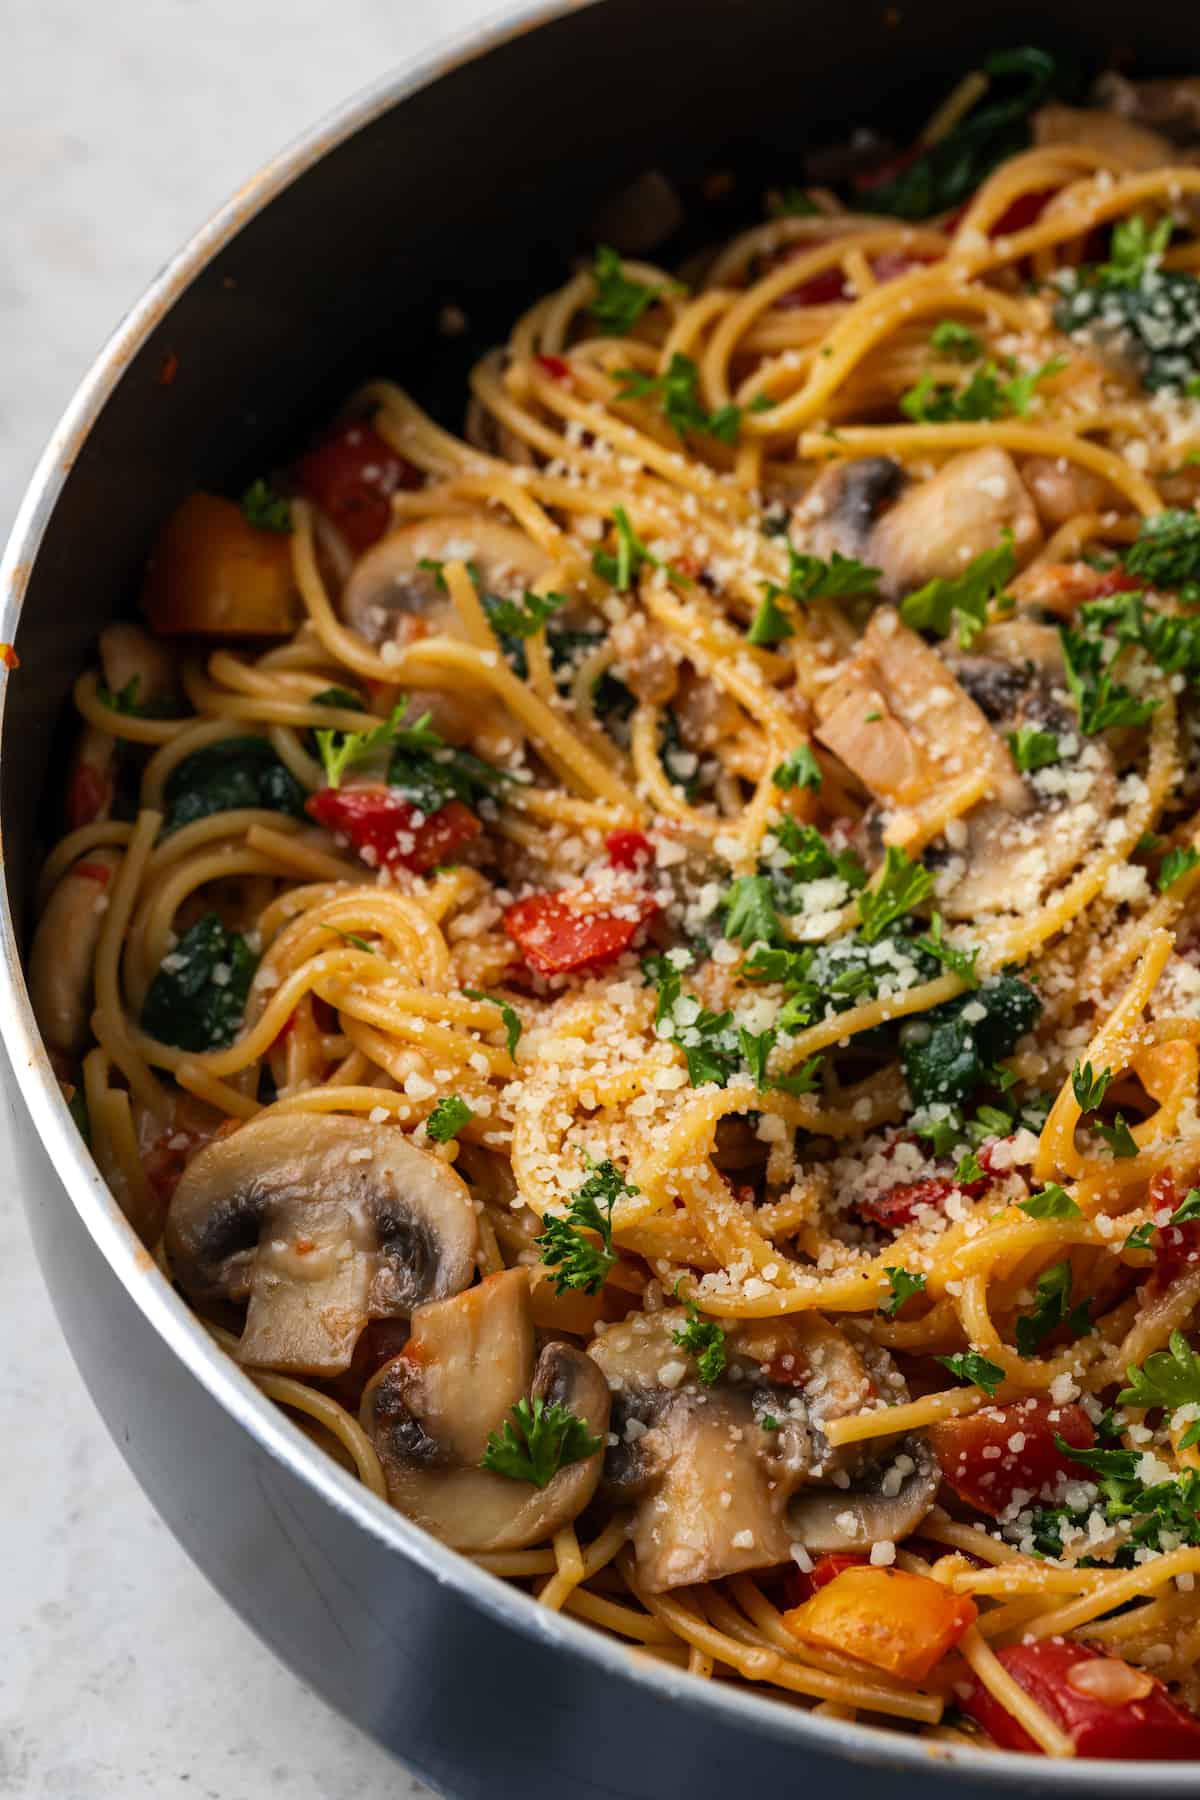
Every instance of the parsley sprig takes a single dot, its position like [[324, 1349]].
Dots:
[[448, 1118], [1052, 1309], [904, 1284], [538, 1442], [903, 885], [619, 301], [677, 392], [704, 1339], [969, 1365], [961, 602], [579, 1261]]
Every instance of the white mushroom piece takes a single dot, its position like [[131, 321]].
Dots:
[[64, 950], [913, 531], [392, 598], [431, 1410], [133, 667], [318, 1223], [730, 1477]]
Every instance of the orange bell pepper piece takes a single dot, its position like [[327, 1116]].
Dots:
[[215, 574], [886, 1617]]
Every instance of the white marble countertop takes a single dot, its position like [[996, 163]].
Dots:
[[124, 1677]]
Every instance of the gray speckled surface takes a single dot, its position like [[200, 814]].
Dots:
[[124, 124]]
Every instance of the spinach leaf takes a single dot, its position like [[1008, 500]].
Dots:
[[197, 999], [947, 1057], [233, 772]]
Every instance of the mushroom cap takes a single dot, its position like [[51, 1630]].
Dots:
[[320, 1221], [869, 1511], [430, 1412], [720, 1476], [390, 597]]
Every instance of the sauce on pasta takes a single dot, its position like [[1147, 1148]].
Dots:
[[640, 966]]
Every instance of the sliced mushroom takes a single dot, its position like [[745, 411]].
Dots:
[[64, 949], [430, 1412], [1062, 490], [729, 1477], [914, 531], [903, 725], [1170, 105], [391, 598], [320, 1222], [129, 657], [1028, 839]]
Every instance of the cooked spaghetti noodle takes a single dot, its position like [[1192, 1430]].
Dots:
[[660, 1013]]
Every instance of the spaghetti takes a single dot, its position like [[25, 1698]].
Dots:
[[660, 1014]]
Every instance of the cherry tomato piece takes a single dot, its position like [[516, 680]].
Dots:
[[802, 1584], [560, 933], [628, 849], [352, 476], [1106, 1707], [985, 1458], [388, 831]]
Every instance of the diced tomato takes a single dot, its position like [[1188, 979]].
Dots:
[[1115, 581], [559, 933], [1106, 1707], [1176, 1247], [388, 831], [555, 367], [831, 285], [985, 1458], [352, 477], [802, 1584], [886, 1617], [88, 795], [627, 849], [889, 265]]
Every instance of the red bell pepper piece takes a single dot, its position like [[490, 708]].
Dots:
[[555, 367], [352, 476], [985, 1458], [388, 831], [560, 933], [88, 793], [802, 1584], [1106, 1707]]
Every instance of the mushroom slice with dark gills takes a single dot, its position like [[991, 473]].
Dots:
[[320, 1223], [897, 718], [1027, 840], [729, 1477], [431, 1411], [912, 531], [395, 595]]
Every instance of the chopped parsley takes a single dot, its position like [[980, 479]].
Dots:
[[958, 961], [969, 1365], [955, 339], [1167, 551], [904, 1284], [1175, 865], [799, 769], [985, 395], [448, 1118], [1100, 702], [579, 1262], [1140, 1237], [1088, 1087], [1167, 1513], [1050, 1202], [539, 1442], [266, 510], [811, 859], [961, 602], [1153, 312], [705, 1340], [509, 1014], [904, 885], [1117, 1136], [1188, 1209], [677, 392], [756, 1047], [1033, 749], [521, 618], [1168, 1378], [619, 568], [770, 624], [1052, 1309], [619, 301], [420, 764], [750, 915]]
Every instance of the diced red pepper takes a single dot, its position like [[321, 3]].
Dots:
[[1105, 1706], [987, 1457], [352, 477], [887, 171], [9, 657], [92, 871], [1023, 212], [555, 367], [628, 849], [831, 285], [802, 1584], [1176, 1247], [388, 831], [899, 1206], [88, 794], [560, 933]]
